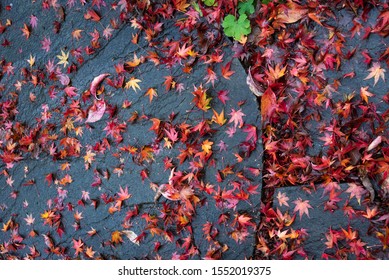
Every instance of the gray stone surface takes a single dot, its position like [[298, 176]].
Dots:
[[42, 197]]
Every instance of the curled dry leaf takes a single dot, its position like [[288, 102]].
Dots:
[[369, 187], [96, 112], [257, 90], [132, 236], [375, 143], [96, 82]]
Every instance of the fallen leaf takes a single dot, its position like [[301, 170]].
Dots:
[[96, 112], [132, 236], [96, 82], [376, 72], [268, 104]]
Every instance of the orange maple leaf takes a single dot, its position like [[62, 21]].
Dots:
[[151, 93], [116, 237]]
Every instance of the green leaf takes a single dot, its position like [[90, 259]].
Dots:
[[197, 8], [236, 28], [209, 3], [266, 1], [246, 7]]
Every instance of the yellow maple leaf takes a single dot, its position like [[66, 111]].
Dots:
[[377, 72], [219, 118], [89, 252], [133, 83], [31, 60], [207, 146], [89, 157], [77, 34], [63, 58]]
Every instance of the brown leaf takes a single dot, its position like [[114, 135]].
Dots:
[[268, 104], [257, 90]]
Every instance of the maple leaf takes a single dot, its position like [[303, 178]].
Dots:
[[123, 194], [151, 92], [282, 199], [135, 62], [226, 71], [206, 146], [29, 220], [376, 72], [244, 220], [218, 118], [223, 96], [26, 31], [201, 100], [46, 43], [236, 117], [76, 34], [107, 32], [181, 5], [133, 83], [251, 132], [89, 252], [31, 60], [169, 83], [63, 58], [116, 237], [78, 245], [172, 134], [33, 21], [302, 207], [184, 51], [275, 73], [355, 191], [89, 157], [210, 77]]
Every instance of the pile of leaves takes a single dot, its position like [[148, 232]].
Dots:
[[294, 53]]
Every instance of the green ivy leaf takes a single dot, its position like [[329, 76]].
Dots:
[[266, 1], [236, 28], [209, 3], [246, 7]]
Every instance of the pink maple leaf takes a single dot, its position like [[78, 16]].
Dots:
[[33, 21], [302, 206], [237, 118], [223, 96], [46, 44]]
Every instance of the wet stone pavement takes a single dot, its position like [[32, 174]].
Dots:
[[162, 174], [74, 201]]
